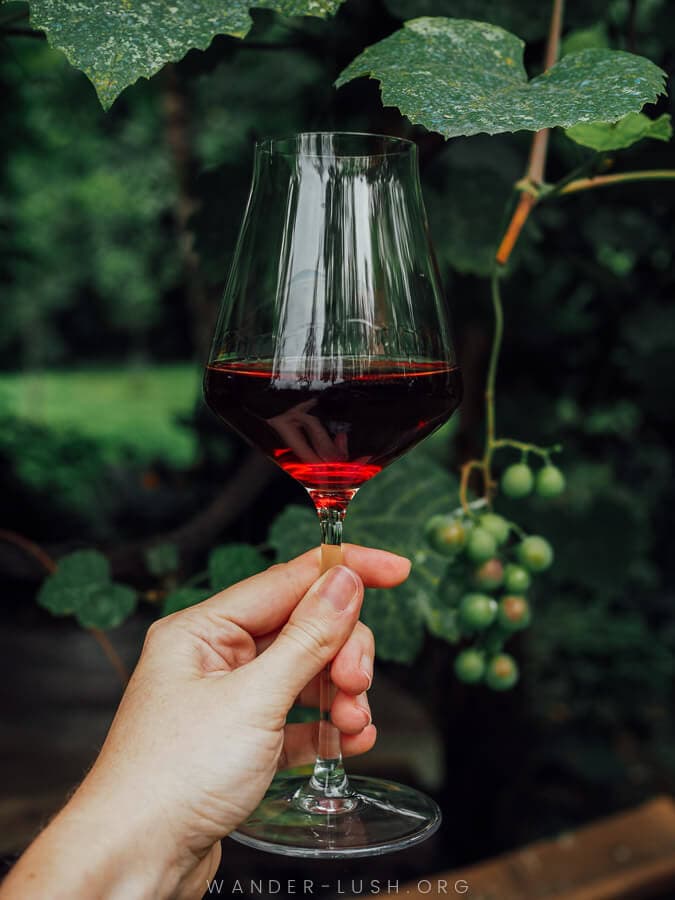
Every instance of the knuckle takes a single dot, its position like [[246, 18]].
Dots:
[[156, 630], [310, 637]]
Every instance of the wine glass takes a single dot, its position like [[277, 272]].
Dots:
[[332, 355]]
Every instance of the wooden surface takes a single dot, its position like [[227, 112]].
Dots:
[[629, 856]]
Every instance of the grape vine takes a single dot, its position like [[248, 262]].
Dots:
[[491, 560]]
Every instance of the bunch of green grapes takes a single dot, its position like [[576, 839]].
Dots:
[[492, 563]]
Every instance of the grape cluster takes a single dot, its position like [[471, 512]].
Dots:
[[490, 569]]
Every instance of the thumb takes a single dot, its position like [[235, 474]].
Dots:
[[318, 627]]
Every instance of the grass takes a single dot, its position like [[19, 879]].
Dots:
[[127, 407]]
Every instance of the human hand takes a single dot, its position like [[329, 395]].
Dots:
[[201, 729]]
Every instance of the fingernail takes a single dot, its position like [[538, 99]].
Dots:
[[366, 666], [339, 587], [362, 703]]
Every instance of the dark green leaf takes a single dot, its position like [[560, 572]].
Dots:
[[295, 530], [390, 513], [106, 606], [467, 219], [115, 43], [162, 559], [443, 623], [181, 598], [78, 575], [459, 77], [585, 39], [633, 127], [441, 608], [232, 563]]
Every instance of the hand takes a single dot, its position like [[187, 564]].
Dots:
[[306, 437], [201, 729]]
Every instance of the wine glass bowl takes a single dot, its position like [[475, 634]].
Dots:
[[332, 355]]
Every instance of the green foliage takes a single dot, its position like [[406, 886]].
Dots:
[[630, 129], [459, 77], [63, 467], [232, 563], [469, 188], [115, 44], [78, 573], [82, 587], [227, 565], [182, 598], [84, 202], [601, 662], [585, 39], [162, 559], [116, 413], [391, 515], [107, 607]]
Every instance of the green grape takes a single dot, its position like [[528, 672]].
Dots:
[[489, 575], [470, 666], [481, 545], [517, 481], [514, 612], [502, 672], [496, 525], [477, 611], [516, 579], [535, 553], [445, 534], [550, 482]]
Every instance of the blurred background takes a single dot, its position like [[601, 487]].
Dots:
[[116, 234]]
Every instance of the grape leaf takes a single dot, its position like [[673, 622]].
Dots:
[[467, 230], [294, 531], [78, 575], [115, 43], [162, 559], [390, 514], [81, 586], [633, 127], [232, 563], [459, 77], [183, 597], [106, 606]]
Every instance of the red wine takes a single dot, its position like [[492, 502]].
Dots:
[[332, 433]]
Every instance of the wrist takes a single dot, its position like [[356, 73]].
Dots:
[[101, 845], [136, 851]]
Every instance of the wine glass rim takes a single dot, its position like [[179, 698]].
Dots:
[[400, 146]]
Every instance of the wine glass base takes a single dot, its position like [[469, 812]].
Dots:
[[386, 816]]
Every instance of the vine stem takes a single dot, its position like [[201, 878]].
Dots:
[[525, 447], [531, 189], [587, 184], [497, 337], [536, 166], [50, 565]]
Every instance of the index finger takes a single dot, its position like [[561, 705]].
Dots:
[[264, 602]]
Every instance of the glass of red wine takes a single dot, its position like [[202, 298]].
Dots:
[[332, 355]]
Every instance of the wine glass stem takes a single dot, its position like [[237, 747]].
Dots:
[[328, 789]]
